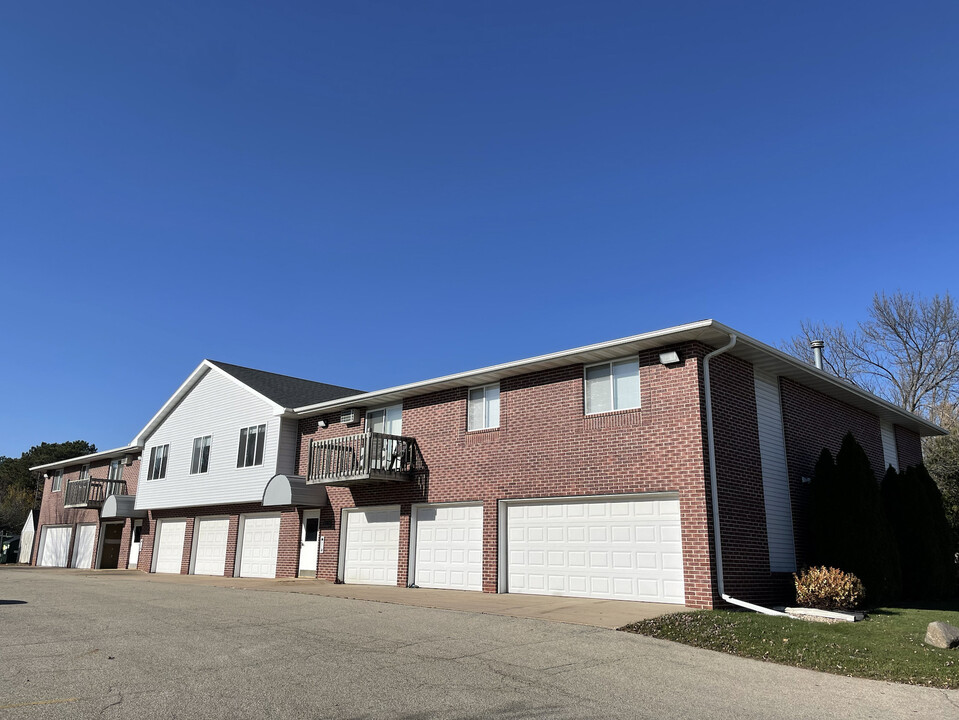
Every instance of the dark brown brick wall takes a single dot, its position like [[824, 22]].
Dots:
[[908, 447], [812, 421], [742, 509]]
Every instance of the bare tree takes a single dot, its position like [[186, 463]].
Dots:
[[906, 351]]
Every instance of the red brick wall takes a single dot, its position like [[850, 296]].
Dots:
[[546, 447], [742, 508], [812, 421], [908, 447], [52, 511], [289, 546]]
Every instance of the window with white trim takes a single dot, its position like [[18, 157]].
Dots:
[[251, 446], [388, 420], [483, 407], [612, 386], [201, 455], [85, 472], [156, 470], [57, 483], [116, 470]]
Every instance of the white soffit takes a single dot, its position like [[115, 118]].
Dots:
[[709, 332], [102, 455]]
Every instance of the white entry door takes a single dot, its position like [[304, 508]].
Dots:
[[135, 543], [449, 546], [372, 546], [54, 545], [83, 551], [621, 549], [168, 555], [309, 542], [210, 543], [261, 541]]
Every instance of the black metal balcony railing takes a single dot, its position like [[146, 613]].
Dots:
[[91, 492], [364, 458]]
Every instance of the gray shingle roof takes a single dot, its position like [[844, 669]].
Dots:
[[284, 390]]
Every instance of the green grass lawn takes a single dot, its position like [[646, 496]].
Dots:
[[887, 645]]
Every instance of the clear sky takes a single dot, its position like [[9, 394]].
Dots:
[[373, 193]]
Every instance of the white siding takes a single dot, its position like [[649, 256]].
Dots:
[[286, 453], [220, 407], [889, 452], [772, 449]]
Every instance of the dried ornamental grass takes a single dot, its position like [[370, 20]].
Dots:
[[828, 589]]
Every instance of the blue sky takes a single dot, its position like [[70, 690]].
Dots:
[[373, 193]]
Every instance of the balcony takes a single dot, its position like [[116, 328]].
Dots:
[[365, 458], [91, 492]]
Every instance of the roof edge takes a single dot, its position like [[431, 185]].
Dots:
[[911, 420], [80, 459], [516, 364]]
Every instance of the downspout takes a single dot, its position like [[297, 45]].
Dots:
[[711, 445]]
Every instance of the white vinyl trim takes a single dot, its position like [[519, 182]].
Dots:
[[780, 534], [707, 331], [115, 452], [889, 451]]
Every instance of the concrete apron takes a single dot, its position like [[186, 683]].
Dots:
[[577, 611]]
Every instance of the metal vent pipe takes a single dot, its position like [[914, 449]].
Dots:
[[817, 346]]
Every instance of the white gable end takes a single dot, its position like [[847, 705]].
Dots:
[[220, 407]]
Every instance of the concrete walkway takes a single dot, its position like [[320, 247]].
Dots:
[[577, 611]]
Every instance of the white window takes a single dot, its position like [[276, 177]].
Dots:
[[201, 455], [57, 483], [483, 411], [85, 472], [388, 420], [116, 470], [612, 386], [251, 446], [157, 467]]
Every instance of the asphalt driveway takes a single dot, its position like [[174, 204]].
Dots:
[[86, 645]]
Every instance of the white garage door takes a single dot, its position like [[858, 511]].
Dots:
[[169, 546], [83, 552], [449, 547], [623, 549], [372, 546], [54, 546], [261, 540], [210, 542]]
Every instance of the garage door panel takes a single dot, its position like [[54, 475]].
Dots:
[[55, 542], [259, 546], [169, 546], [83, 552], [449, 547], [372, 546], [211, 536], [618, 549]]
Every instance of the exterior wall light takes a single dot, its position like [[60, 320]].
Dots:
[[669, 358]]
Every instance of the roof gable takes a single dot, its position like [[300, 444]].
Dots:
[[284, 390], [281, 392]]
